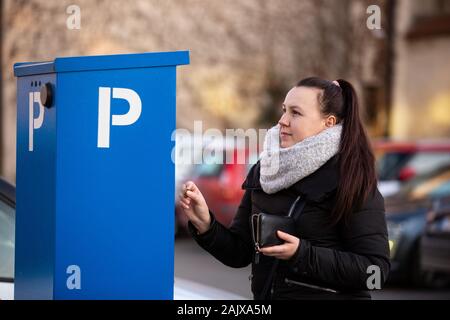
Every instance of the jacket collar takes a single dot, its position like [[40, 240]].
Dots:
[[314, 187]]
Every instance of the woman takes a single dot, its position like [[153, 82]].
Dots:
[[320, 151]]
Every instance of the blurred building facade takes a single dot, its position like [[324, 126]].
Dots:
[[421, 105], [245, 55]]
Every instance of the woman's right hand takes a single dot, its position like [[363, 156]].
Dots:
[[194, 206]]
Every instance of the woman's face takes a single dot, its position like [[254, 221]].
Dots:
[[301, 116]]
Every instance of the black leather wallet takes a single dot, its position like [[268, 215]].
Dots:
[[265, 226]]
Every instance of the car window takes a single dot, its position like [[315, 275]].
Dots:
[[435, 186], [425, 162], [212, 164], [390, 164], [208, 170], [442, 190], [7, 238]]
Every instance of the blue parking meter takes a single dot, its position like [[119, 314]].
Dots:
[[95, 178]]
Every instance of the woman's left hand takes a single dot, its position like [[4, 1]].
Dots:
[[283, 251]]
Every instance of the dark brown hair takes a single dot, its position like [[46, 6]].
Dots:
[[357, 177]]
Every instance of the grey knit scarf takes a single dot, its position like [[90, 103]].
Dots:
[[283, 167]]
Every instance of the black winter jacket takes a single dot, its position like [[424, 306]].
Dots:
[[329, 257]]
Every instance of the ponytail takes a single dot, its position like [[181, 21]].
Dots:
[[357, 162]]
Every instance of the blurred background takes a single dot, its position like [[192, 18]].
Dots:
[[245, 56]]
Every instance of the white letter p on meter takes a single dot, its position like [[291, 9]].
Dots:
[[104, 112]]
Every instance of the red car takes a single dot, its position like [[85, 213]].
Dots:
[[220, 184], [399, 161]]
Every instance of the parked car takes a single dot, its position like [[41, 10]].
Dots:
[[220, 183], [406, 220], [435, 245], [183, 289], [185, 153], [7, 236], [399, 162]]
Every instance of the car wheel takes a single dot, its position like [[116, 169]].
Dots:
[[417, 274]]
